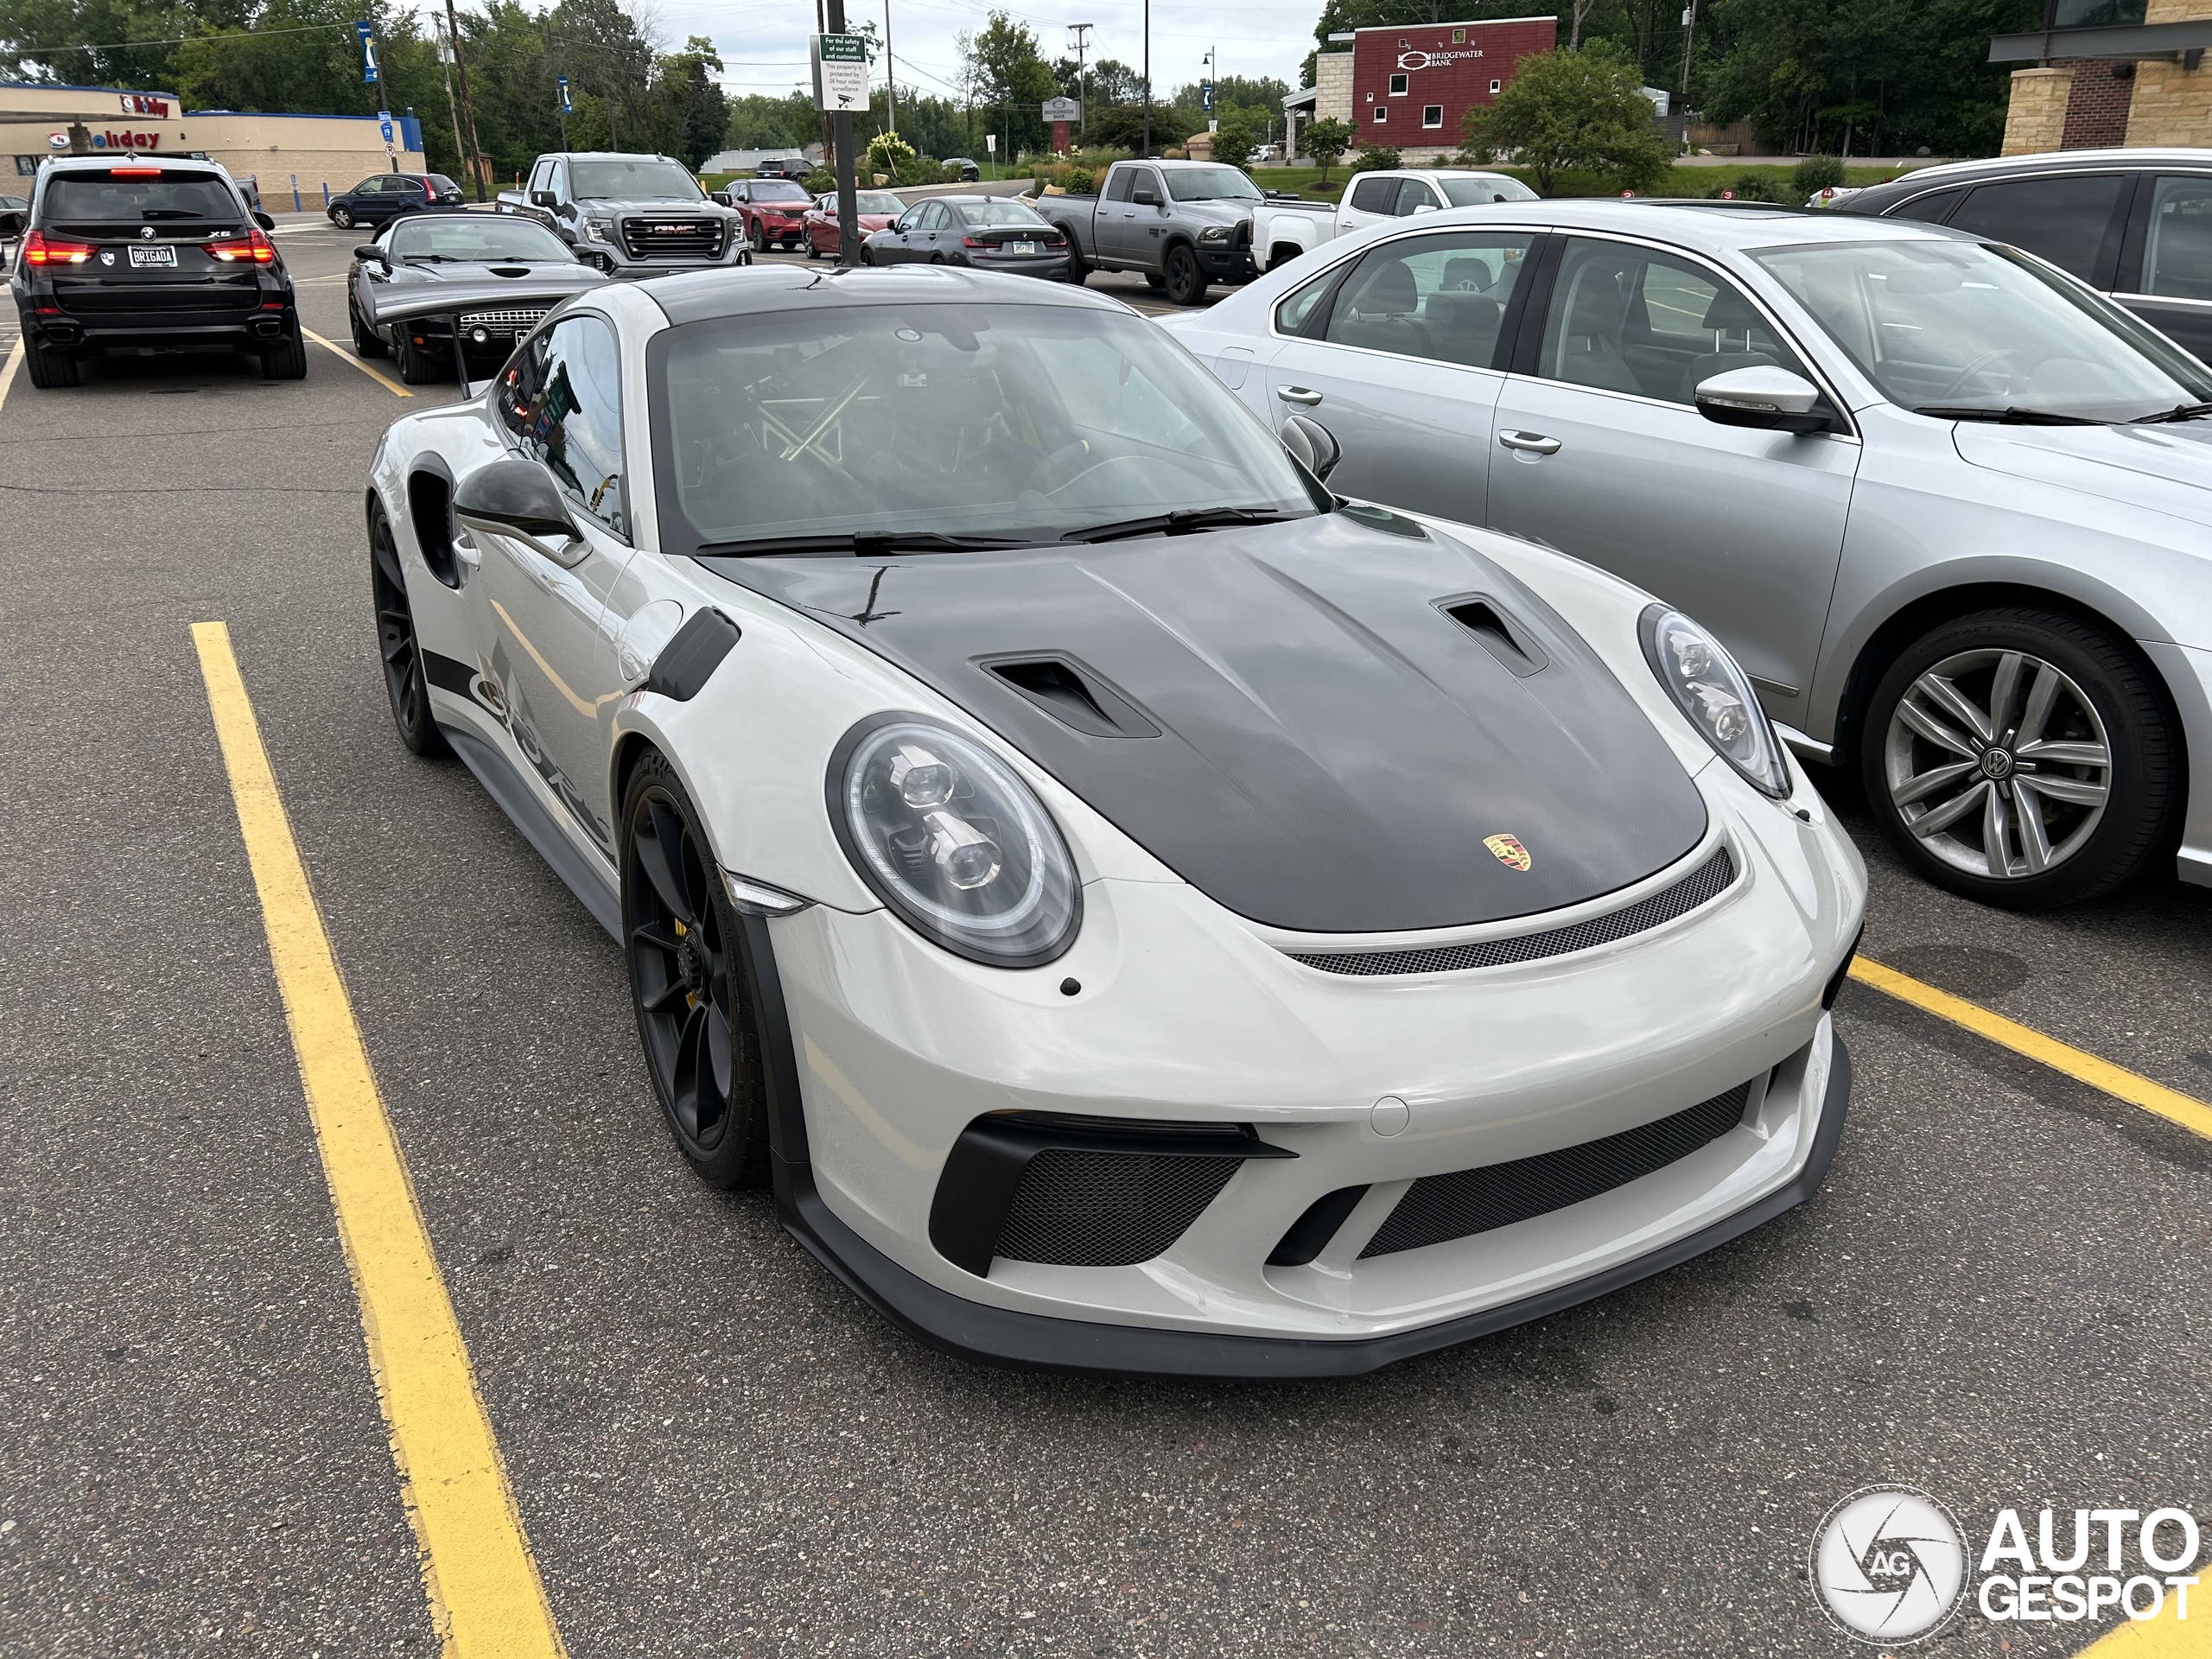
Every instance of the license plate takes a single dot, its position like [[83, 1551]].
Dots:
[[1021, 247], [152, 256]]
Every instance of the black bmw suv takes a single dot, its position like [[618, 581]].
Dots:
[[148, 254]]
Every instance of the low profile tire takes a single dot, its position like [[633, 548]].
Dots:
[[1184, 281], [49, 368], [866, 258], [403, 683], [417, 366], [759, 242], [688, 984], [342, 218], [366, 341], [287, 360], [1078, 271], [813, 248], [2024, 758]]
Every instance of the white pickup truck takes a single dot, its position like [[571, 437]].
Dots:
[[1282, 229]]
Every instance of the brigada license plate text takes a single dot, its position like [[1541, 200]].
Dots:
[[153, 256]]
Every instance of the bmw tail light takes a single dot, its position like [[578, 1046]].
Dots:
[[253, 248], [39, 249]]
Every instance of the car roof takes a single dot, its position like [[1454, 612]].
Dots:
[[1875, 198], [1708, 226], [754, 290], [102, 163]]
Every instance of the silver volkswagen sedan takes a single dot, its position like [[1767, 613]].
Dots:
[[1947, 505]]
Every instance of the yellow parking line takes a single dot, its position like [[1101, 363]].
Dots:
[[7, 371], [2166, 1636], [485, 1597], [2078, 1063], [343, 356]]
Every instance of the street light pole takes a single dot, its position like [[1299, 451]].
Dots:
[[890, 69]]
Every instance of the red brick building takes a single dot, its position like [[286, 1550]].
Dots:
[[1412, 83]]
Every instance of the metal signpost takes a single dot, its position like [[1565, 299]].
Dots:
[[1061, 113], [372, 75], [567, 109], [841, 87]]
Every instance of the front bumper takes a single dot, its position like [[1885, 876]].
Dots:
[[1226, 264]]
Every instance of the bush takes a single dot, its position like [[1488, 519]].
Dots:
[[1816, 174], [1235, 140], [1327, 141], [818, 182], [1755, 184], [1376, 160], [1082, 181]]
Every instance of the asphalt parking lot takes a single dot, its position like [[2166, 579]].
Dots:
[[713, 1447]]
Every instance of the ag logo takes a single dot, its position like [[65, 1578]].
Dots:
[[1889, 1565], [1508, 851]]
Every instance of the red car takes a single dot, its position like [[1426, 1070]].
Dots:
[[877, 209], [773, 210]]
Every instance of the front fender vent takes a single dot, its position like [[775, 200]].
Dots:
[[1707, 882]]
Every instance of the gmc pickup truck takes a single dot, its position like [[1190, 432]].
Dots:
[[1282, 230], [1185, 225], [629, 215]]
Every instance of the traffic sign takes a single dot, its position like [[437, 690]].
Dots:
[[383, 126], [839, 71], [1063, 109]]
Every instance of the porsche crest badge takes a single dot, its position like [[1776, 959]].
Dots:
[[1508, 851]]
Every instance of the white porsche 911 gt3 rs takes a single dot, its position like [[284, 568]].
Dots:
[[1141, 912]]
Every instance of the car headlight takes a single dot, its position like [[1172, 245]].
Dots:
[[1214, 233], [1717, 695], [603, 229], [953, 841]]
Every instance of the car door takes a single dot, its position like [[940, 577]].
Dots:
[[1398, 357], [540, 622], [1121, 230], [922, 243], [2166, 275], [1373, 197], [1604, 455], [1415, 196]]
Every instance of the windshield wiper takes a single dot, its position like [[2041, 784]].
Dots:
[[2004, 417], [2178, 412], [865, 544], [1182, 521]]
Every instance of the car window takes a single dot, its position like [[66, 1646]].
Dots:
[[443, 182], [1120, 184], [635, 178], [1413, 196], [366, 188], [1631, 318], [1441, 297], [934, 217], [1480, 193], [474, 237], [1295, 312], [87, 198], [780, 190], [999, 212], [870, 201], [541, 176], [1933, 208], [2063, 220], [1211, 184], [2178, 256], [561, 396], [1374, 196]]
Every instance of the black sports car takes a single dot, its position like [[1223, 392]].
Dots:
[[502, 251]]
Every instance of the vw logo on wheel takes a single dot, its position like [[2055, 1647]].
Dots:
[[1889, 1565]]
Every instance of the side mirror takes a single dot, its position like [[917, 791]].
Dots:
[[516, 498], [1145, 196], [263, 221], [1311, 445], [1772, 399], [1424, 207], [542, 198], [719, 196], [370, 254]]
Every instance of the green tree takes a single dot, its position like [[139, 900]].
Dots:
[[690, 112], [1816, 174], [1373, 158], [1236, 139], [1007, 83], [1578, 110], [1327, 141]]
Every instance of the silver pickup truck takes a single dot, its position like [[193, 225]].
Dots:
[[1185, 225]]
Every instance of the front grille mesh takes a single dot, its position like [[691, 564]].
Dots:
[[684, 239], [505, 321], [1709, 880], [1107, 1209], [1438, 1208]]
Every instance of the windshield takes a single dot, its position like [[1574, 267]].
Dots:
[[83, 199], [476, 237], [1209, 184], [778, 190], [642, 180], [872, 202], [1480, 193], [998, 213], [1967, 325], [1014, 421]]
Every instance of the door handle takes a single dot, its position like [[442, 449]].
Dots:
[[1300, 395], [1535, 442]]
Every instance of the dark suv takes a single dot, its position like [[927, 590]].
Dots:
[[147, 254], [2135, 223], [383, 197]]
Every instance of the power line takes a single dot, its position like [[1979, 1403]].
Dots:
[[178, 40]]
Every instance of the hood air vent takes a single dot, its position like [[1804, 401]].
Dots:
[[1075, 696], [1511, 645]]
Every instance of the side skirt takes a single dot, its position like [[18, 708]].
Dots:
[[505, 786]]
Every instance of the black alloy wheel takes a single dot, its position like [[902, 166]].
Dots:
[[2024, 757], [366, 341], [403, 683], [688, 984], [1184, 281]]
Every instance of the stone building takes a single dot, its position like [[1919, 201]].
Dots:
[[2108, 72]]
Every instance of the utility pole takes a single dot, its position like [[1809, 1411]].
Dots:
[[467, 110], [445, 58], [1148, 77], [890, 69], [1689, 34], [1082, 33]]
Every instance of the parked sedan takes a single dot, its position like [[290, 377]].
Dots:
[[989, 232], [2136, 224], [773, 211], [383, 197], [533, 267], [1947, 505], [1136, 913], [876, 209]]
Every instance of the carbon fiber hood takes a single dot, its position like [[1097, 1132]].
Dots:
[[1306, 735]]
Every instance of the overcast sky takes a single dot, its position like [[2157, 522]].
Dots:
[[764, 45]]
